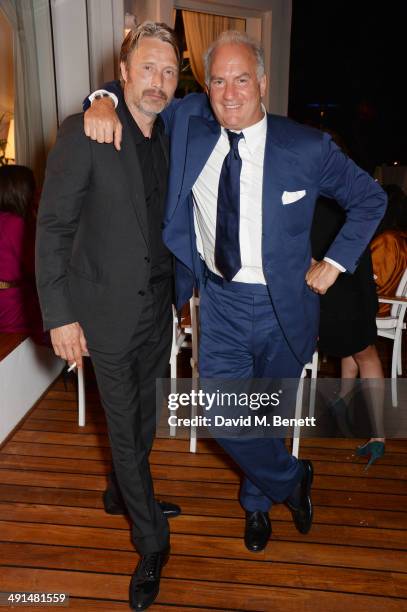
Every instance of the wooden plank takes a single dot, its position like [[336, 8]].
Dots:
[[359, 510], [321, 538], [77, 603], [44, 495], [54, 464], [177, 457], [60, 438], [13, 506], [69, 405], [192, 592], [201, 476], [248, 571], [222, 470], [168, 488], [47, 414], [32, 424], [10, 341], [98, 453], [211, 525], [12, 497]]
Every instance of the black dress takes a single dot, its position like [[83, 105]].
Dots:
[[349, 307]]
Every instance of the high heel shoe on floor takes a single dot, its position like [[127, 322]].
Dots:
[[375, 450]]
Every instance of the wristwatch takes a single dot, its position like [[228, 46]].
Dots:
[[103, 93]]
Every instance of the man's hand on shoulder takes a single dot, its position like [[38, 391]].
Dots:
[[321, 275], [101, 122], [69, 343]]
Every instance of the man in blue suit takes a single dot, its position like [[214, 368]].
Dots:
[[241, 197]]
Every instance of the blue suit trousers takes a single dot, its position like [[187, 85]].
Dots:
[[241, 339]]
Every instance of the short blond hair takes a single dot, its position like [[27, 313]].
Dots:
[[148, 29]]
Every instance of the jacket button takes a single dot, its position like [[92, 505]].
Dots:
[[147, 259], [141, 292]]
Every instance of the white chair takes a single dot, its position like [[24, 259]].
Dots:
[[81, 398], [194, 310], [312, 366], [185, 335], [392, 327], [81, 395]]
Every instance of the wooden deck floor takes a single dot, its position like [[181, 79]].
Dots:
[[55, 536]]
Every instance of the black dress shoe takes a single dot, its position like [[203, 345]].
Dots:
[[258, 530], [301, 504], [145, 582], [114, 505]]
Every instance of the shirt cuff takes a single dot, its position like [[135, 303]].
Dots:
[[335, 264], [111, 95]]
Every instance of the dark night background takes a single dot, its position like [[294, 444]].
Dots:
[[348, 60]]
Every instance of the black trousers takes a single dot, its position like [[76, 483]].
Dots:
[[127, 386]]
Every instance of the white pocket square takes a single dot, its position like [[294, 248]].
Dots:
[[289, 197]]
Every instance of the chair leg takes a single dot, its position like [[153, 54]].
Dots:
[[192, 433], [313, 384], [394, 368], [395, 355], [394, 398], [81, 397], [298, 411], [399, 363]]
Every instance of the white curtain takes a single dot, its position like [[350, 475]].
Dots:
[[29, 138]]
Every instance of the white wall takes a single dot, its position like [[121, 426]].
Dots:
[[87, 35], [69, 25], [106, 28], [46, 74], [25, 374]]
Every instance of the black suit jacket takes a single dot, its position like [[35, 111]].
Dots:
[[92, 256]]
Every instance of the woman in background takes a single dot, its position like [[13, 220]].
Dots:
[[19, 309], [348, 330]]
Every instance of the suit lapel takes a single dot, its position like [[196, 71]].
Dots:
[[203, 135], [279, 162], [132, 171]]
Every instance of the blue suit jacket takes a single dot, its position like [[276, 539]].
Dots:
[[297, 158]]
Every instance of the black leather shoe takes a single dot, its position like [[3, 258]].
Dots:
[[145, 582], [113, 505], [302, 513], [258, 530]]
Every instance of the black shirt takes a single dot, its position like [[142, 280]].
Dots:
[[154, 170]]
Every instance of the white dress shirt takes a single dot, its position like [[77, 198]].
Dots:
[[205, 198]]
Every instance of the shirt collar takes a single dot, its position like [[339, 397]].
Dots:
[[158, 128], [255, 134]]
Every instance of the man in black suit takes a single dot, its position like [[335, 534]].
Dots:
[[105, 279]]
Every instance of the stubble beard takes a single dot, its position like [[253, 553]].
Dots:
[[143, 108]]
